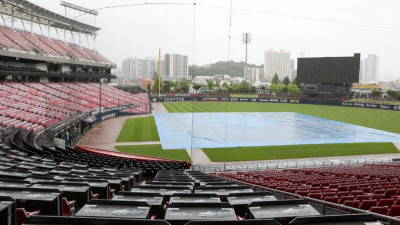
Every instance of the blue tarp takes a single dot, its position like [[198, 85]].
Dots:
[[219, 130]]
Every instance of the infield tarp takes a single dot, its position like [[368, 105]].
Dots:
[[219, 130]]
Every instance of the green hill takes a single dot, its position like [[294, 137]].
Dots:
[[221, 67]]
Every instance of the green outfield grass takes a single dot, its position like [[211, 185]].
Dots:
[[374, 118], [139, 130], [297, 151], [154, 151]]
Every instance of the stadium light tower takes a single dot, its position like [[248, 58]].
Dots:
[[246, 39]]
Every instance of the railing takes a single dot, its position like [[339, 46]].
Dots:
[[234, 167]]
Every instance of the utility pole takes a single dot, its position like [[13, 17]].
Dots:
[[159, 72]]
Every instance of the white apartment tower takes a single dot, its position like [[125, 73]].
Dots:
[[134, 68], [254, 74], [371, 69], [175, 67], [277, 62]]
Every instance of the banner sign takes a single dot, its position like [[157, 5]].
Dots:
[[278, 100]]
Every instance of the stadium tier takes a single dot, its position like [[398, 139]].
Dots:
[[60, 182], [35, 106], [369, 187], [83, 186], [22, 41]]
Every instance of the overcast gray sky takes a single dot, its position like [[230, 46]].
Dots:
[[138, 31]]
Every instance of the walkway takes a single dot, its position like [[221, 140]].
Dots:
[[397, 145], [158, 107], [198, 156], [296, 163], [104, 135]]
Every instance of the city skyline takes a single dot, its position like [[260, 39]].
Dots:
[[138, 29]]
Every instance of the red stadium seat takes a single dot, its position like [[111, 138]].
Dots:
[[352, 203], [315, 195], [363, 197], [342, 199], [68, 207], [390, 191], [22, 215], [379, 209], [333, 199], [385, 202], [367, 204], [394, 210], [377, 196]]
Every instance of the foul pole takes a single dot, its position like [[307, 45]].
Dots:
[[159, 71]]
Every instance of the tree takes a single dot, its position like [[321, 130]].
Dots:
[[281, 88], [376, 93], [218, 83], [167, 87], [184, 85], [293, 89], [225, 85], [286, 81], [197, 87], [393, 95], [174, 87], [273, 88], [243, 85], [155, 85], [275, 79], [210, 84]]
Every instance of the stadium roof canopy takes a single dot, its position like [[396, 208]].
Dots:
[[28, 11]]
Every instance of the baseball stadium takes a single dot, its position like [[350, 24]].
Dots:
[[77, 150]]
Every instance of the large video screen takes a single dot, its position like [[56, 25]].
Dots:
[[329, 69]]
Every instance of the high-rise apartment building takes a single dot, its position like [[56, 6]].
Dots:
[[134, 68], [277, 62], [371, 69], [361, 76], [254, 74], [175, 67]]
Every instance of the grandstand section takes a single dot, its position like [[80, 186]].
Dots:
[[36, 106], [368, 187], [35, 54]]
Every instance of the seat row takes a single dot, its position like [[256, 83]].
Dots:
[[18, 40], [369, 187], [35, 106]]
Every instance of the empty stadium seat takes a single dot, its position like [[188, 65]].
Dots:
[[367, 204], [22, 215], [394, 210], [385, 202], [352, 203]]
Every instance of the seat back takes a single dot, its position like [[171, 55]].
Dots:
[[394, 210], [367, 204], [385, 202], [379, 209], [352, 203]]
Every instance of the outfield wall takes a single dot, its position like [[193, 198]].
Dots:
[[279, 100]]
